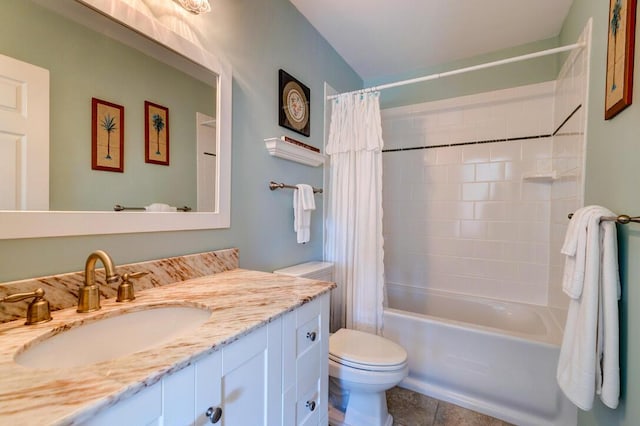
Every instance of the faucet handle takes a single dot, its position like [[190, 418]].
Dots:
[[125, 289], [38, 310]]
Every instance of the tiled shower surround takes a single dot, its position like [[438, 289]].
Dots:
[[476, 190]]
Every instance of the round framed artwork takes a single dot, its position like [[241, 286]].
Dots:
[[294, 104]]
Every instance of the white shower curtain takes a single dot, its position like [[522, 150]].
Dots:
[[354, 214]]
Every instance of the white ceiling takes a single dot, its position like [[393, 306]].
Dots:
[[386, 37]]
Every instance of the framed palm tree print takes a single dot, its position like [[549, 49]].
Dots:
[[620, 49], [107, 136], [156, 134]]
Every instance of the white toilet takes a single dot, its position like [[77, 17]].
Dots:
[[362, 366]]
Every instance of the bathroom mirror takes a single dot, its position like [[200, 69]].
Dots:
[[176, 73]]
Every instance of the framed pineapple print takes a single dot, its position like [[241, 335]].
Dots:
[[107, 136], [156, 134], [620, 49]]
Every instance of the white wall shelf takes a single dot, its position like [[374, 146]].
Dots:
[[288, 151], [209, 123], [549, 176]]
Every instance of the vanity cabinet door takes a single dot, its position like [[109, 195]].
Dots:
[[178, 396], [242, 381], [208, 389], [227, 387]]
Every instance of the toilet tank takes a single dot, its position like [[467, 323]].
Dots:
[[315, 270]]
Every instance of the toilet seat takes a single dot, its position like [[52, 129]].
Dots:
[[365, 351], [366, 367]]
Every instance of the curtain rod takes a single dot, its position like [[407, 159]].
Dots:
[[464, 70]]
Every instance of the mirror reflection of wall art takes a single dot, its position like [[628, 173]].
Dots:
[[622, 29], [293, 104], [156, 134], [107, 136]]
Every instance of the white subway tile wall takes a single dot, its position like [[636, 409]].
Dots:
[[462, 218], [568, 154]]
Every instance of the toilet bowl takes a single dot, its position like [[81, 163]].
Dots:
[[362, 367]]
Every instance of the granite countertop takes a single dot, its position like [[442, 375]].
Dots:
[[240, 301]]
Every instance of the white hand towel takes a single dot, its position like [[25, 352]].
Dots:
[[303, 204], [591, 333], [575, 248], [160, 207]]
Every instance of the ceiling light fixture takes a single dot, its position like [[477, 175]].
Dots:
[[196, 6]]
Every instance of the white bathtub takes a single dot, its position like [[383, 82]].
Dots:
[[498, 358]]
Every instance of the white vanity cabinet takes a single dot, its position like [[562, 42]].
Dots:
[[275, 375]]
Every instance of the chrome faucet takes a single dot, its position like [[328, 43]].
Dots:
[[89, 296]]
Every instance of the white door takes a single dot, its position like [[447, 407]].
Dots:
[[206, 164], [24, 136]]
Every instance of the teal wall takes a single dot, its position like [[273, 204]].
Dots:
[[613, 161], [257, 38], [511, 75], [82, 64]]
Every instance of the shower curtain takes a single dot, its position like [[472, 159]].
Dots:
[[354, 213]]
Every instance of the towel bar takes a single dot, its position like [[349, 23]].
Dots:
[[119, 208], [622, 219], [274, 185]]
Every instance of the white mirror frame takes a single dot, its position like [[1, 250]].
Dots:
[[36, 224]]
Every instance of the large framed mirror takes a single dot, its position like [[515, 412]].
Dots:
[[113, 51]]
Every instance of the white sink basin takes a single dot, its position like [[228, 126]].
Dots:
[[113, 337]]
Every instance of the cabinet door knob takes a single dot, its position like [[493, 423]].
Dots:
[[311, 405], [311, 336], [214, 414]]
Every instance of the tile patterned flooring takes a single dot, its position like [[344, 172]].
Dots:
[[413, 409]]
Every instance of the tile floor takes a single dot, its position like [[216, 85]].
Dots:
[[413, 409]]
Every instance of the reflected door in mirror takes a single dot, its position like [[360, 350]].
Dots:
[[206, 162], [24, 136]]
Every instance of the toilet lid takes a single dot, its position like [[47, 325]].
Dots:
[[365, 351]]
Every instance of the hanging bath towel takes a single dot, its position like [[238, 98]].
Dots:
[[589, 356]]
